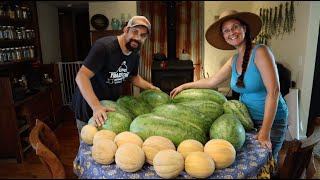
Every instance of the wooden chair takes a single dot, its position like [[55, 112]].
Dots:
[[296, 161], [47, 147]]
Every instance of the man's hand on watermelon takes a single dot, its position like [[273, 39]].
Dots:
[[99, 114]]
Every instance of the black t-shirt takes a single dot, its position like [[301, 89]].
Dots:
[[111, 68]]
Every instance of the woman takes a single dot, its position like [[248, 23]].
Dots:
[[253, 74]]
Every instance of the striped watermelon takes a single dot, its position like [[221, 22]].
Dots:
[[117, 107], [116, 122], [135, 105], [240, 110], [150, 124], [199, 94], [186, 114], [210, 109], [229, 127], [154, 97]]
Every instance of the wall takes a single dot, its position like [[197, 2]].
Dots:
[[112, 9], [297, 51], [49, 32]]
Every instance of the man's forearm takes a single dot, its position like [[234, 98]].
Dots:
[[139, 82]]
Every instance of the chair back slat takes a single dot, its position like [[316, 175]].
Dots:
[[46, 146]]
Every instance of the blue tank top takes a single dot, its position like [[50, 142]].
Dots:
[[254, 94]]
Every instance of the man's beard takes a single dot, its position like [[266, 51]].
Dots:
[[128, 46]]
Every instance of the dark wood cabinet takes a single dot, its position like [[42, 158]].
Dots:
[[24, 95], [18, 113]]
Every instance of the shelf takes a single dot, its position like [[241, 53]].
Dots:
[[16, 62], [23, 128], [16, 43], [14, 22]]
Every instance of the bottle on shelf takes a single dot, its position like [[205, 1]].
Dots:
[[123, 20]]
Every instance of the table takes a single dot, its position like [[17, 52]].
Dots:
[[252, 162]]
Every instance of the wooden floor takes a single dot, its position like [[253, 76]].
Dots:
[[67, 135], [32, 168]]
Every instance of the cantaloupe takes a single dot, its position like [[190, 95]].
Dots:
[[152, 145], [221, 151], [168, 163], [127, 137], [87, 133], [104, 134], [199, 164], [103, 151], [189, 146], [130, 157]]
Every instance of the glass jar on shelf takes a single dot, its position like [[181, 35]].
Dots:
[[18, 53], [1, 56], [9, 54], [23, 32], [21, 53], [18, 34], [18, 12], [4, 55], [5, 32], [1, 33], [31, 51], [28, 34], [12, 33], [26, 52], [13, 54], [24, 12]]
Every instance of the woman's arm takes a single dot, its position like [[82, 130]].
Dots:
[[267, 67], [223, 74]]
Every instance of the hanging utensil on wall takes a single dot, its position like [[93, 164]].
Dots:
[[280, 21]]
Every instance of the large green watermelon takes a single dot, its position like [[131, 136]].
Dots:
[[118, 108], [240, 110], [208, 108], [154, 97], [116, 122], [228, 127], [135, 105], [150, 124], [200, 94], [186, 114]]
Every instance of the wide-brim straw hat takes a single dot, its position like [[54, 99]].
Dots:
[[214, 35]]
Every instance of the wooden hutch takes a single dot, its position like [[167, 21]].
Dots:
[[25, 95]]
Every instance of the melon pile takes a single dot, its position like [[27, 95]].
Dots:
[[198, 131]]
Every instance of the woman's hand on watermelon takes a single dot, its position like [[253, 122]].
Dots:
[[99, 114], [264, 140], [176, 90]]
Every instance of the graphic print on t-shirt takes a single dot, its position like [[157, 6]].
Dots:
[[120, 75]]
